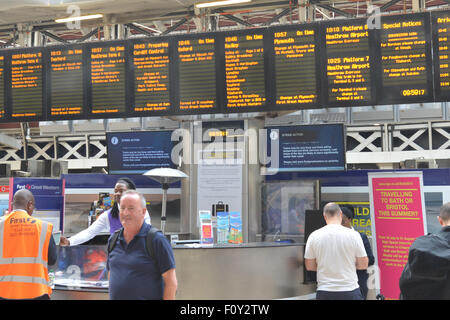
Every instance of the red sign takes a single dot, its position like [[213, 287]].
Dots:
[[4, 188], [397, 208]]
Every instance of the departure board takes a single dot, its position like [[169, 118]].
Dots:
[[295, 66], [348, 65], [441, 51], [2, 86], [26, 84], [66, 82], [405, 59], [151, 77], [244, 71], [108, 79], [197, 73]]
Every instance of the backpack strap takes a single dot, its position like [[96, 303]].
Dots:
[[114, 237], [149, 243]]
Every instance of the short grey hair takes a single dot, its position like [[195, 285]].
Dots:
[[331, 209], [444, 213], [141, 197]]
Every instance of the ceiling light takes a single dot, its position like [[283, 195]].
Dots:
[[219, 3], [69, 19]]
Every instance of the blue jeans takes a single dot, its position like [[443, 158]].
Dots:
[[339, 295]]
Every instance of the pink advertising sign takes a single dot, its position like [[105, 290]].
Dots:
[[398, 218]]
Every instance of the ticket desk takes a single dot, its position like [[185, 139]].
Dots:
[[259, 270]]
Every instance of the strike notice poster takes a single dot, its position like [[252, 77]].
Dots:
[[397, 210]]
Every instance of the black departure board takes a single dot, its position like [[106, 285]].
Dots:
[[244, 71], [107, 76], [197, 74], [441, 52], [26, 69], [405, 66], [296, 80], [347, 61], [2, 86], [151, 77], [66, 82]]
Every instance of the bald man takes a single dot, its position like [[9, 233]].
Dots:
[[27, 249]]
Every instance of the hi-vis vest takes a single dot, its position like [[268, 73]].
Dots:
[[24, 243]]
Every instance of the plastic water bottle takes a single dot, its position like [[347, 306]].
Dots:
[[51, 279]]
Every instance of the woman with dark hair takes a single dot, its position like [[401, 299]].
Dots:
[[108, 221]]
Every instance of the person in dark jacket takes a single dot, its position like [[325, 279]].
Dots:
[[426, 275], [347, 221]]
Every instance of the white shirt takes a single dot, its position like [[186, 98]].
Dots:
[[335, 249], [100, 225]]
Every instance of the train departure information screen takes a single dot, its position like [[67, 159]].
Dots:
[[295, 66], [441, 34], [244, 69], [404, 56], [2, 87], [197, 73], [151, 76], [26, 84], [108, 79], [348, 63], [66, 73]]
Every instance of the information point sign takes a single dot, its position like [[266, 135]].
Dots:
[[398, 217]]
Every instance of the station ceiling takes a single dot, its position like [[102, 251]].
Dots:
[[152, 17]]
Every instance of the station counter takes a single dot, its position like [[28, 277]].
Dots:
[[258, 270]]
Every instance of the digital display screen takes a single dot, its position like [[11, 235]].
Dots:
[[138, 152], [405, 59], [2, 87], [151, 77], [348, 65], [66, 82], [295, 66], [306, 148], [441, 50], [244, 71], [27, 84], [108, 79], [197, 73]]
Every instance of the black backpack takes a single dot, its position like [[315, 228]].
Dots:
[[148, 241], [427, 273]]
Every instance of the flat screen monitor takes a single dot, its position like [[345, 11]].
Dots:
[[151, 60], [27, 85], [295, 59], [348, 50], [197, 63], [405, 59], [306, 148], [138, 152], [440, 28], [245, 71], [107, 79], [2, 87], [65, 76]]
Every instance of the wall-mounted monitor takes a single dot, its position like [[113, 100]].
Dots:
[[138, 152], [306, 148]]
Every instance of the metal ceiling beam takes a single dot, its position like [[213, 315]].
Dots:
[[139, 29], [333, 9], [389, 4], [52, 36], [237, 20], [278, 16], [175, 26], [88, 35]]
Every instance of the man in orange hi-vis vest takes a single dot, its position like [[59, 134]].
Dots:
[[26, 249]]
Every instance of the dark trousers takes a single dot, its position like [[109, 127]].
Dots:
[[339, 295]]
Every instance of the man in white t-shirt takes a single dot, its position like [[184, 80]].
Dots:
[[335, 252]]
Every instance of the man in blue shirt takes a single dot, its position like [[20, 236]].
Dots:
[[134, 275]]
